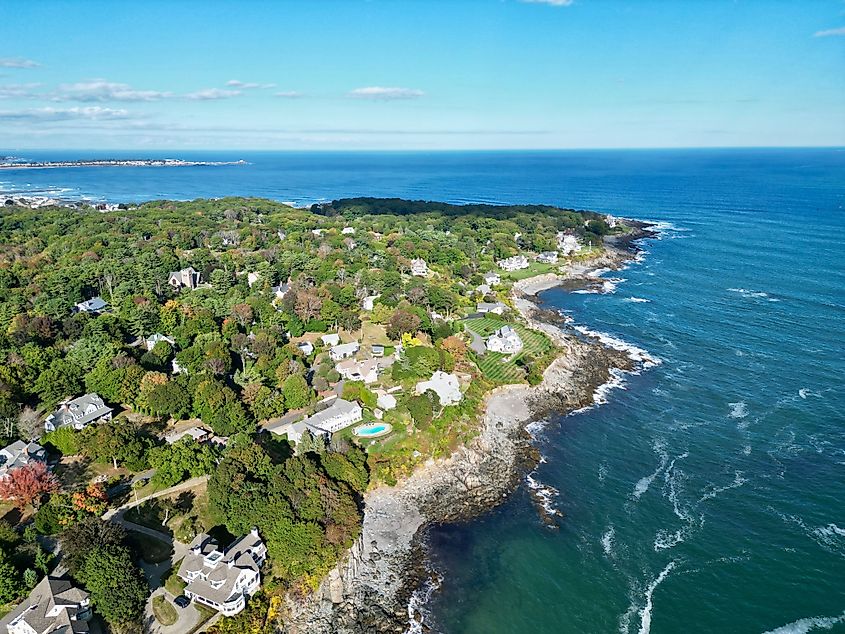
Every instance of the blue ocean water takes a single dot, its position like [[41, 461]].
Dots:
[[708, 493]]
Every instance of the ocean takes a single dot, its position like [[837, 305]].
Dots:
[[707, 493]]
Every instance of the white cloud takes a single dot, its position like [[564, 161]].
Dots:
[[209, 94], [385, 93], [830, 32], [89, 113], [17, 62], [19, 91], [102, 90], [247, 85], [553, 3], [288, 94]]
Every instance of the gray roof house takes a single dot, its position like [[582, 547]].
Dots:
[[53, 606], [339, 415], [20, 454], [94, 305], [78, 413], [223, 579], [185, 278]]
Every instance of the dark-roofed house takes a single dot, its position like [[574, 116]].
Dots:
[[20, 454], [223, 579], [53, 606], [95, 305], [186, 278], [78, 413]]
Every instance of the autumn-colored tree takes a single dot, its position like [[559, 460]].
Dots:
[[308, 304], [455, 347], [93, 500], [242, 313], [27, 484]]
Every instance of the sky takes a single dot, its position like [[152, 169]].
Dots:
[[432, 75]]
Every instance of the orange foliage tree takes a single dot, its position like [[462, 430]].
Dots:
[[27, 484]]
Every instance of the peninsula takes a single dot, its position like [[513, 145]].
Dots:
[[312, 387]]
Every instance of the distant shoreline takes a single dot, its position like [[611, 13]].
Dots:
[[8, 165]]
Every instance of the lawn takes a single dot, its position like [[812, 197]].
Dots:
[[164, 612], [534, 268], [503, 368], [172, 582]]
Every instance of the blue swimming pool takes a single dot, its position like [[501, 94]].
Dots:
[[372, 429]]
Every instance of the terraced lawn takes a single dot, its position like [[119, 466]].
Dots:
[[503, 368]]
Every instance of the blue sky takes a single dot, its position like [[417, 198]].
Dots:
[[389, 74]]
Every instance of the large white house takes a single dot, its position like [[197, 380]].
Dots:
[[354, 370], [339, 415], [567, 243], [506, 340], [331, 339], [20, 454], [344, 350], [491, 278], [445, 385], [223, 579], [419, 267], [93, 306], [151, 341], [78, 413], [514, 263], [547, 257], [55, 605], [368, 303]]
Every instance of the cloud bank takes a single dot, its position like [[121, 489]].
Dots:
[[385, 93]]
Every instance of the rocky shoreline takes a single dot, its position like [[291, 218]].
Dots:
[[371, 590]]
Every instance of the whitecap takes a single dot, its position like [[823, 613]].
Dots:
[[636, 300], [420, 598], [634, 353], [802, 626], [644, 483], [738, 410], [607, 540], [714, 490], [645, 612], [545, 495]]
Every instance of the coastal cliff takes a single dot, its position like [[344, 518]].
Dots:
[[372, 588]]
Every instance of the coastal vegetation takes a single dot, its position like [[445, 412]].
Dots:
[[203, 378]]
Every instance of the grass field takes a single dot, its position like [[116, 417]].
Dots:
[[534, 268], [503, 368]]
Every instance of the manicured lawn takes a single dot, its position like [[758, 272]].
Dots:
[[151, 550], [164, 611], [534, 268], [503, 368]]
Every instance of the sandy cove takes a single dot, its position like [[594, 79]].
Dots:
[[371, 589]]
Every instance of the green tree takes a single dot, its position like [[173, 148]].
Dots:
[[118, 589], [296, 391], [11, 582]]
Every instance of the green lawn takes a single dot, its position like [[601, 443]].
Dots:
[[534, 268], [164, 612], [172, 582], [503, 368]]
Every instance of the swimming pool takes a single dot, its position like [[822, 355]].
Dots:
[[371, 430]]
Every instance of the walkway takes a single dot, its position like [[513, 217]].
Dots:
[[182, 486]]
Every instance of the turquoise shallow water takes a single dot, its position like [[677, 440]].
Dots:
[[708, 495]]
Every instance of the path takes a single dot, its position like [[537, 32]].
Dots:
[[182, 486]]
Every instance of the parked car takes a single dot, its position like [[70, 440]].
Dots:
[[182, 601]]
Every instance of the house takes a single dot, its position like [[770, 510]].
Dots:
[[282, 235], [252, 278], [419, 268], [280, 291], [385, 401], [93, 306], [514, 263], [378, 350], [611, 221], [317, 232], [55, 605], [445, 385], [547, 257], [151, 341], [348, 231], [567, 243], [506, 340], [306, 347], [344, 350], [331, 339], [354, 370], [368, 303], [78, 413], [293, 431], [20, 454], [186, 278], [497, 308], [483, 289], [339, 415], [492, 278], [223, 579], [199, 434]]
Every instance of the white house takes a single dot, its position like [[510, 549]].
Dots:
[[339, 415], [547, 257], [567, 243], [492, 278], [94, 306], [368, 303], [186, 278], [354, 370], [306, 347], [496, 308], [282, 235], [151, 341], [332, 339], [514, 263], [55, 605], [344, 350], [280, 291], [484, 289], [317, 232], [20, 454], [419, 267], [385, 401], [445, 385], [506, 340], [78, 413], [199, 434], [348, 231], [223, 579], [252, 278]]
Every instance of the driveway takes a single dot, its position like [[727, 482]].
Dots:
[[477, 344], [188, 618]]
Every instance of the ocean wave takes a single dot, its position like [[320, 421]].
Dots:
[[419, 600], [754, 294], [714, 491], [544, 495], [830, 537], [644, 483], [738, 410], [636, 300], [802, 626], [647, 608], [638, 355], [607, 540]]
